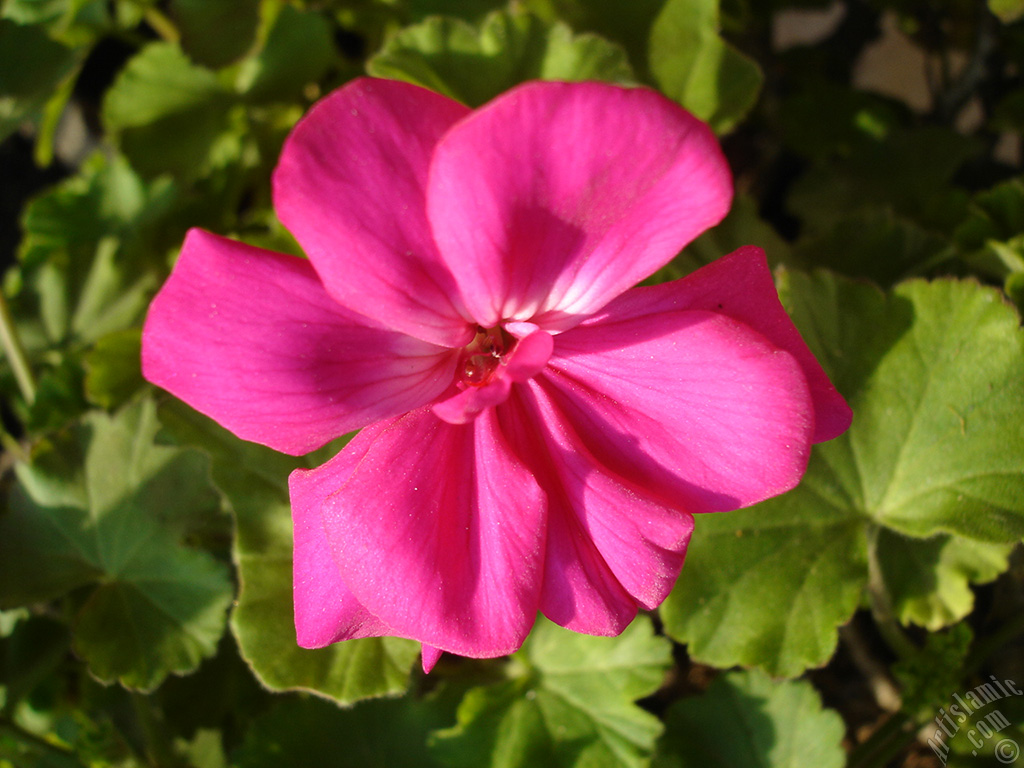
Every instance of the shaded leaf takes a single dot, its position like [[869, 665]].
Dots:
[[473, 64], [569, 704], [112, 369], [306, 732], [90, 258], [216, 32], [927, 676], [31, 68], [167, 112], [276, 73], [928, 581], [105, 508], [254, 481], [908, 170], [992, 236], [746, 719], [876, 244]]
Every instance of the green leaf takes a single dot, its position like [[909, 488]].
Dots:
[[1008, 11], [32, 66], [934, 373], [927, 676], [628, 24], [105, 508], [167, 112], [29, 654], [216, 32], [876, 244], [298, 733], [908, 170], [254, 481], [473, 64], [769, 585], [276, 73], [928, 580], [112, 369], [746, 719], [90, 257], [695, 66], [992, 236], [569, 703], [823, 120]]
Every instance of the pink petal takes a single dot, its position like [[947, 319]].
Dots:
[[350, 187], [740, 286], [574, 192], [464, 406], [439, 532], [692, 406], [610, 545], [531, 353], [251, 338], [325, 609], [429, 657]]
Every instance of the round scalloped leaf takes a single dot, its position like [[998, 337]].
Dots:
[[473, 64], [695, 66], [934, 373], [745, 718], [253, 479], [570, 703], [105, 508]]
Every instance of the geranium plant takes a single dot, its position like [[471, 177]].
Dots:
[[564, 383]]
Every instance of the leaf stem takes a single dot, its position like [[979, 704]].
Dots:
[[35, 740], [162, 25], [882, 745], [15, 352]]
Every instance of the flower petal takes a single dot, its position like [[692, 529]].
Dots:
[[574, 192], [692, 406], [429, 657], [251, 338], [580, 591], [350, 186], [325, 609], [740, 286], [610, 545], [439, 532], [467, 404]]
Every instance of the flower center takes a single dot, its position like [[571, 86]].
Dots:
[[483, 355]]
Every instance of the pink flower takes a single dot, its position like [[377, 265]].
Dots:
[[537, 435]]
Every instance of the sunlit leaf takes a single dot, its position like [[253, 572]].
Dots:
[[695, 66], [934, 373], [473, 64]]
